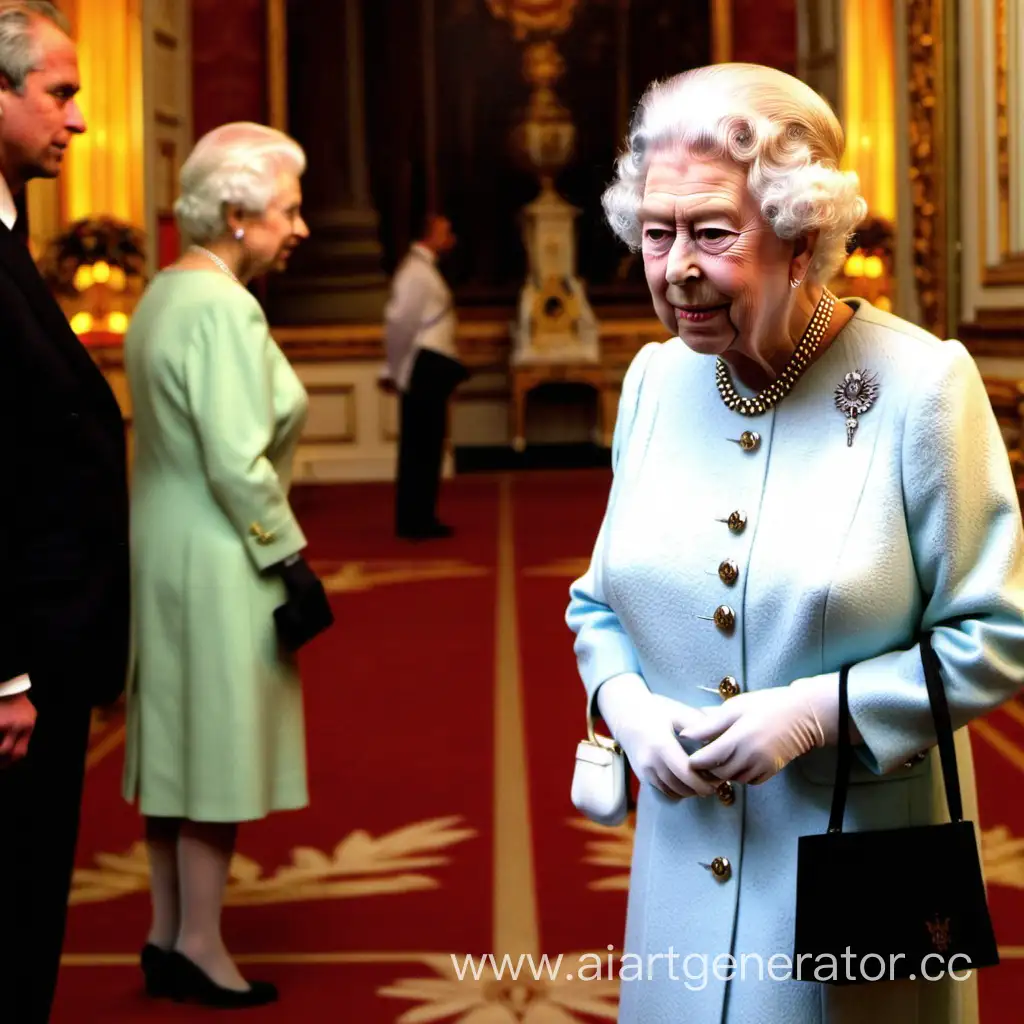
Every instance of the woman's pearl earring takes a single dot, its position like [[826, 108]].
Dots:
[[795, 282], [239, 234]]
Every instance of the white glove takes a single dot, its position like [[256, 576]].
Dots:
[[755, 735], [646, 726]]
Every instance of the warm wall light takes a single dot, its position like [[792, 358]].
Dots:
[[854, 265], [869, 101], [83, 278], [873, 267], [82, 323]]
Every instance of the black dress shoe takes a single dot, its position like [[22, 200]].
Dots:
[[155, 969], [191, 984]]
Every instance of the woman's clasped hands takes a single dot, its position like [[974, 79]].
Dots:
[[753, 736], [647, 725], [747, 739]]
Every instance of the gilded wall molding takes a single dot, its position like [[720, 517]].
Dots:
[[1002, 127], [1009, 268], [484, 345], [929, 187]]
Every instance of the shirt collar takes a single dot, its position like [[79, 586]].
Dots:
[[8, 211], [423, 252]]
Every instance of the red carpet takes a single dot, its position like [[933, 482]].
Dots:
[[407, 854]]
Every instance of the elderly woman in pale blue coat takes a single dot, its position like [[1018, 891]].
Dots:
[[760, 534]]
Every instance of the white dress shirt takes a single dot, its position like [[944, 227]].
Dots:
[[8, 211], [419, 314], [8, 215]]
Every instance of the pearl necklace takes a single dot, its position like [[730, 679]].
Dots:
[[217, 261], [801, 358]]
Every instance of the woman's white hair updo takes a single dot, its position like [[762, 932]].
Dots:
[[773, 125], [233, 165]]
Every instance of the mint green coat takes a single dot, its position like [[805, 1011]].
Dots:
[[215, 720]]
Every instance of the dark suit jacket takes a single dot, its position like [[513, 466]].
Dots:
[[64, 560]]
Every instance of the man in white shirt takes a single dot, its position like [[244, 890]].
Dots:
[[424, 366], [64, 627]]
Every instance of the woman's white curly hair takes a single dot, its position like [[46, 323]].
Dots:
[[233, 165], [773, 125]]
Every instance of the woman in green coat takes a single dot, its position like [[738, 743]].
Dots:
[[215, 717]]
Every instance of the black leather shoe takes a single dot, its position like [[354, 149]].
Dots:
[[153, 961], [192, 984]]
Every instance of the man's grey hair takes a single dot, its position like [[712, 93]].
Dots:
[[20, 51]]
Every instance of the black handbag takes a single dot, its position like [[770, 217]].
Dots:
[[904, 903], [307, 611]]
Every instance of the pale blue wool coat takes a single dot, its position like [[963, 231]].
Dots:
[[847, 552]]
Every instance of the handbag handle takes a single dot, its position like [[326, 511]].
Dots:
[[608, 743], [943, 733], [595, 738]]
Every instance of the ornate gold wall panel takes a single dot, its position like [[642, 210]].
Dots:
[[928, 146]]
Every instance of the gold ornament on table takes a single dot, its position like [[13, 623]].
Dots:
[[552, 16], [554, 322], [544, 138]]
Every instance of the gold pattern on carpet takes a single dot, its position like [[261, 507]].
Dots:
[[570, 568], [507, 994], [355, 577], [613, 848], [544, 991], [360, 865], [1002, 857], [1001, 743]]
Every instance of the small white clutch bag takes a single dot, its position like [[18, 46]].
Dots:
[[600, 782]]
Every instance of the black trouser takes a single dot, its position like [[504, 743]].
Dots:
[[40, 798], [424, 418]]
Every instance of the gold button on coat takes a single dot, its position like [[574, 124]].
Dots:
[[721, 869], [729, 571], [737, 521], [262, 536], [725, 617], [750, 441], [726, 793], [728, 687]]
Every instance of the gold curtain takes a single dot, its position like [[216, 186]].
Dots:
[[104, 174], [103, 171], [869, 101]]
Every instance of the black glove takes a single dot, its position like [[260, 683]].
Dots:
[[307, 612]]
